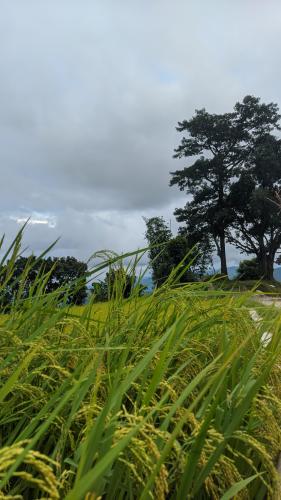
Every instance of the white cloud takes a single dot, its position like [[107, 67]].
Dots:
[[35, 218]]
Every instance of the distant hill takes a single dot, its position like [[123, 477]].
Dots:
[[277, 273], [232, 272], [147, 281]]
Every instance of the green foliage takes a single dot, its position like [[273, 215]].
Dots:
[[158, 235], [256, 212], [169, 396], [58, 272], [120, 283], [225, 144], [100, 290], [116, 283], [167, 252], [249, 270]]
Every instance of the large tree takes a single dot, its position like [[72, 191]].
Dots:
[[220, 144], [253, 198]]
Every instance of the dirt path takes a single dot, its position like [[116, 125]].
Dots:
[[268, 301], [265, 336], [266, 339]]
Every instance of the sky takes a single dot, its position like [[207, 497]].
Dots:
[[90, 95]]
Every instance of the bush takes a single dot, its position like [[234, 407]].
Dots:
[[248, 270], [117, 283]]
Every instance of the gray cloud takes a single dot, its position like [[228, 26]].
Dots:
[[90, 93]]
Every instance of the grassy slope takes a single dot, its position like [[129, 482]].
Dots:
[[268, 287]]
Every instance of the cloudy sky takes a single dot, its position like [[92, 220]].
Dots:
[[90, 93]]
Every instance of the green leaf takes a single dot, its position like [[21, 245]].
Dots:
[[238, 487]]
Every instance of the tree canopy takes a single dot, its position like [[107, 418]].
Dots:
[[256, 219], [224, 145], [167, 252]]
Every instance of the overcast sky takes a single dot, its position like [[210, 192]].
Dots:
[[90, 94]]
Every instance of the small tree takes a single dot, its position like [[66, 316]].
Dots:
[[117, 284], [249, 270], [158, 235], [167, 252], [100, 291]]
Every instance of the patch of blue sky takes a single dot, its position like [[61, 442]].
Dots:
[[166, 76]]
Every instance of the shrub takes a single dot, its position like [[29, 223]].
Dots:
[[249, 270]]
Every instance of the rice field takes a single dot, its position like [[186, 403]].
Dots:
[[169, 396]]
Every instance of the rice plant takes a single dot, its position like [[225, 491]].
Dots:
[[167, 396]]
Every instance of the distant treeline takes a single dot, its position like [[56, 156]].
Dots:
[[20, 279], [23, 277]]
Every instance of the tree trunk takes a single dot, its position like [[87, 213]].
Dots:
[[222, 223], [266, 259], [262, 259], [223, 254], [266, 266], [269, 268]]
